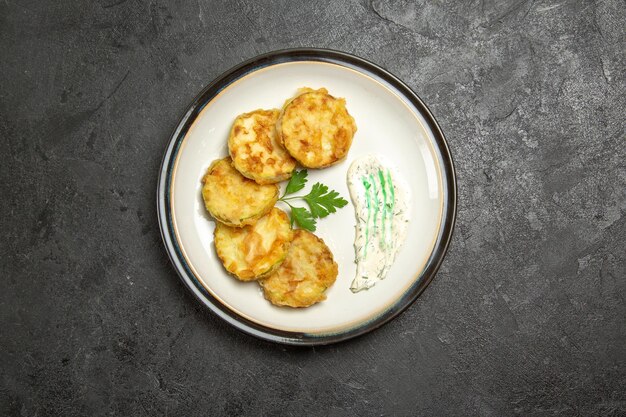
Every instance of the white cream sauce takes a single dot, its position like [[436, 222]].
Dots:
[[382, 203]]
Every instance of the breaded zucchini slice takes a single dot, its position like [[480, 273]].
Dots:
[[233, 199], [316, 128], [304, 276], [251, 252], [255, 150]]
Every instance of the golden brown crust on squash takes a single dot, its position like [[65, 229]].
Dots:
[[251, 252], [316, 128], [305, 274], [255, 150], [233, 199]]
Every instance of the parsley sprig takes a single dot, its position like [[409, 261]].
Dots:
[[321, 202]]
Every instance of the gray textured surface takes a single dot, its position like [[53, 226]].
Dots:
[[526, 317]]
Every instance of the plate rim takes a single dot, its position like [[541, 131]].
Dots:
[[194, 109]]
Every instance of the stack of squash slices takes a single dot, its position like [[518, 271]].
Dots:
[[253, 239]]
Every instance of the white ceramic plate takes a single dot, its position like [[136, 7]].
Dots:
[[392, 121]]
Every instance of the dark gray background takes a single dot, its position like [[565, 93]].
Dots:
[[526, 316]]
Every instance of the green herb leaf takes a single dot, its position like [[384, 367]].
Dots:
[[303, 218], [322, 202], [296, 182]]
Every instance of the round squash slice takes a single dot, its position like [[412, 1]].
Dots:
[[251, 252], [233, 199], [304, 276], [316, 128], [255, 150]]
